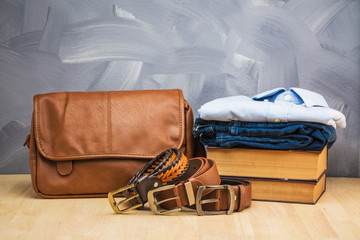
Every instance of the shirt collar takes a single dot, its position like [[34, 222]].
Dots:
[[299, 96], [310, 98], [268, 94]]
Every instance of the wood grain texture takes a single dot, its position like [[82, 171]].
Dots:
[[24, 215]]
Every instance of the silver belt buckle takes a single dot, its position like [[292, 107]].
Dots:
[[153, 203], [200, 202]]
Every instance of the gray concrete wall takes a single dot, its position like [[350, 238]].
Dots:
[[209, 49]]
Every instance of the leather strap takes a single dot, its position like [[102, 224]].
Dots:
[[242, 191], [195, 183], [27, 141], [164, 169], [201, 172]]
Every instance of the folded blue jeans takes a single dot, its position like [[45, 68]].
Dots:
[[303, 136]]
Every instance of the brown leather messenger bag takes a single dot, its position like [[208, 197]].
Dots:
[[85, 144]]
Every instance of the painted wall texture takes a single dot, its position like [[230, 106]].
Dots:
[[209, 49]]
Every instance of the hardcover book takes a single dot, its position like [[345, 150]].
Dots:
[[295, 191], [284, 176], [269, 163]]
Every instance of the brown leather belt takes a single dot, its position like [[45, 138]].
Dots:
[[197, 186], [164, 169]]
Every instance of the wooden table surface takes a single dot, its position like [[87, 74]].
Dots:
[[24, 215]]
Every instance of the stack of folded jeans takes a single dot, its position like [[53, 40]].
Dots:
[[279, 119]]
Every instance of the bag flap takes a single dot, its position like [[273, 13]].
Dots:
[[117, 124]]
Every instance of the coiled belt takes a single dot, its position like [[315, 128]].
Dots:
[[171, 181]]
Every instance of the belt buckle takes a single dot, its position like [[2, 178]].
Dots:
[[153, 203], [115, 205], [200, 202]]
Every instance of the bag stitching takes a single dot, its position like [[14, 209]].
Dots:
[[109, 127]]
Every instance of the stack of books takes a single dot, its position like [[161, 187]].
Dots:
[[284, 176]]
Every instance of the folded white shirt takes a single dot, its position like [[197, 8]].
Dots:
[[277, 105]]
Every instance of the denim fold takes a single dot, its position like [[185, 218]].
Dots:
[[303, 136]]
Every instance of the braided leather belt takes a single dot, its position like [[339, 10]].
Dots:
[[171, 181]]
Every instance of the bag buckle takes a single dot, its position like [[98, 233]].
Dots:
[[153, 203], [200, 202], [116, 206]]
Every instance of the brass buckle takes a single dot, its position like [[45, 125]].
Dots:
[[115, 205], [153, 203], [200, 202]]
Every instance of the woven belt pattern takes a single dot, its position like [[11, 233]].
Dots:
[[164, 169], [167, 166]]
